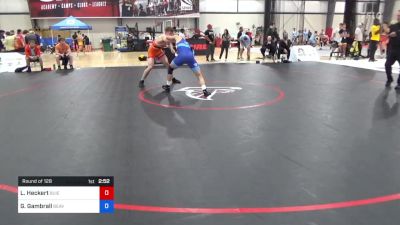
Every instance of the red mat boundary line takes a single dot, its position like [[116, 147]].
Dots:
[[269, 210]]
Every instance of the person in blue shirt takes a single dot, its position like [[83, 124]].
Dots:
[[245, 43], [185, 55]]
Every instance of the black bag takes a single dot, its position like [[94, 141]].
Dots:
[[20, 69]]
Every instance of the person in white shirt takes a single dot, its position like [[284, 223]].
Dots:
[[182, 33], [358, 36], [294, 36], [336, 35]]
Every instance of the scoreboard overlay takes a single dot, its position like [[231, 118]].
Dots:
[[66, 194]]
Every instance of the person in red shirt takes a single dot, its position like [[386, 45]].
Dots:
[[63, 54], [33, 54], [19, 41]]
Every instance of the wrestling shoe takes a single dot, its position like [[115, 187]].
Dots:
[[65, 67], [397, 87], [206, 93], [166, 88], [71, 67], [141, 84], [175, 81]]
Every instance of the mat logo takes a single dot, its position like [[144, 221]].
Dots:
[[197, 92]]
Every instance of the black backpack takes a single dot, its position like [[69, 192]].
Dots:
[[20, 69]]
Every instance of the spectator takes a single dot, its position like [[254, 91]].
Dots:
[[284, 46], [63, 53], [305, 36], [269, 46], [322, 39], [197, 34], [295, 34], [9, 42], [75, 40], [226, 43], [33, 54], [335, 35], [80, 43], [358, 37], [88, 46], [313, 39], [384, 38], [245, 43], [31, 36], [343, 42], [374, 40], [393, 51], [1, 40], [239, 34], [19, 41], [210, 37], [182, 33]]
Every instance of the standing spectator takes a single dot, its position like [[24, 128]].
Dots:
[[210, 37], [239, 34], [245, 43], [358, 37], [226, 42], [19, 41], [182, 33], [1, 40], [384, 38], [75, 41], [305, 36], [33, 54], [294, 36], [393, 51], [31, 36], [88, 46], [63, 54], [9, 42], [375, 38], [197, 34], [80, 43]]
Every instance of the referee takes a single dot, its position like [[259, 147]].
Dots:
[[393, 51]]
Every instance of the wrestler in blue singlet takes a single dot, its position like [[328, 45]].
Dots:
[[185, 56]]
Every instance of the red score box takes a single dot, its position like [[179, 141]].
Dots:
[[106, 193]]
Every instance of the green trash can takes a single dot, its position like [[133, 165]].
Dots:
[[107, 44]]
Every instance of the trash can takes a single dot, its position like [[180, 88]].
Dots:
[[107, 44]]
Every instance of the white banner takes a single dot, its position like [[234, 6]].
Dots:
[[186, 5], [303, 53], [11, 61]]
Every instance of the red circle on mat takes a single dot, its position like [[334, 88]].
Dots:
[[280, 96]]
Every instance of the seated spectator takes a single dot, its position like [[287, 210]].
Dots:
[[1, 40], [284, 47], [33, 54], [9, 42], [269, 46], [313, 39], [63, 54]]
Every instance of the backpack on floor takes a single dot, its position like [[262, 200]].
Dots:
[[21, 69]]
